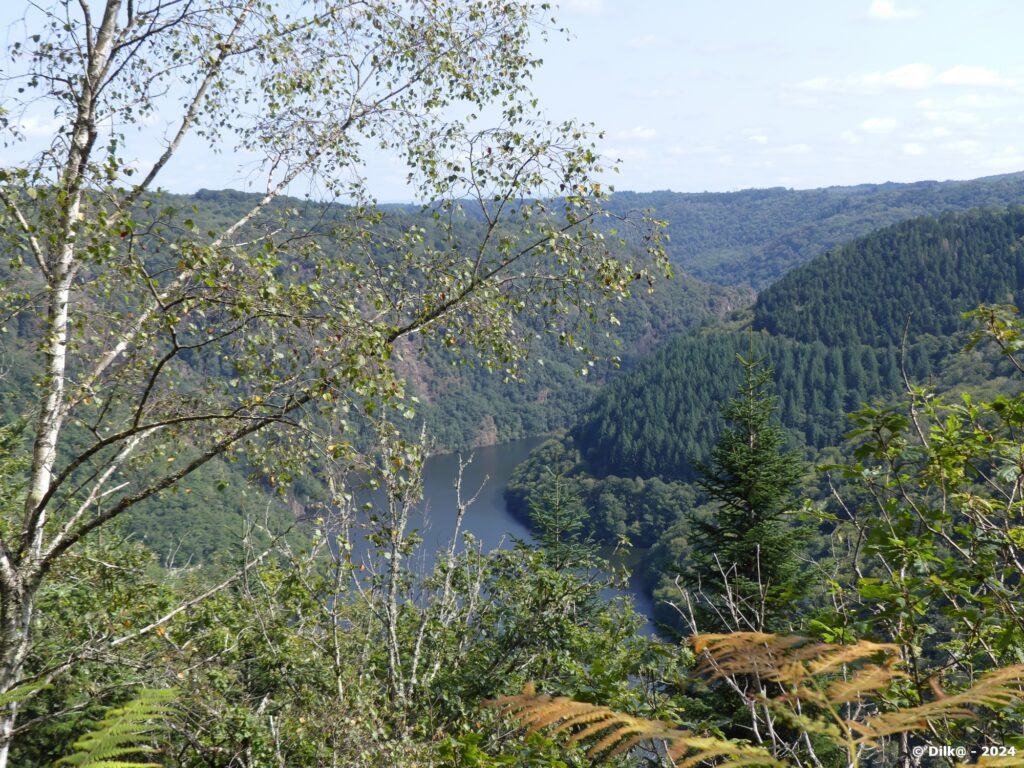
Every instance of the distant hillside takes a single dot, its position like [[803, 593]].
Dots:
[[466, 405], [832, 330], [460, 405], [755, 236], [927, 270]]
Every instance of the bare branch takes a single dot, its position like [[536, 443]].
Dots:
[[34, 246]]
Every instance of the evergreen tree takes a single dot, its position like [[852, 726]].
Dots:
[[558, 516], [744, 567]]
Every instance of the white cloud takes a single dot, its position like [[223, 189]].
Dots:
[[819, 84], [851, 137], [878, 125], [1006, 162], [37, 127], [795, 149], [641, 132], [952, 116], [964, 146], [930, 132], [758, 138], [964, 74], [982, 101], [678, 150], [916, 76], [911, 148], [886, 10], [909, 76]]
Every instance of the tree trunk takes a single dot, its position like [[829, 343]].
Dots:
[[16, 605]]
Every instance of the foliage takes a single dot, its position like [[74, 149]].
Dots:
[[620, 509], [658, 423], [842, 692], [616, 733], [848, 692], [157, 348], [124, 731], [929, 535], [756, 236], [744, 567], [558, 518]]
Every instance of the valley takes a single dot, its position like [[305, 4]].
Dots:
[[354, 414]]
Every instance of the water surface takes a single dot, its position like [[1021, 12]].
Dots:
[[488, 517]]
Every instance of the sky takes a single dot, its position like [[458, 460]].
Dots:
[[720, 95]]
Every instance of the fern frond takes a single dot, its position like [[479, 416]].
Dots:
[[706, 748], [742, 653], [787, 660], [998, 688], [22, 692], [602, 721], [865, 680], [616, 733], [805, 722], [832, 658], [121, 733]]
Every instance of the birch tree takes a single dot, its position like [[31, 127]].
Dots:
[[156, 348]]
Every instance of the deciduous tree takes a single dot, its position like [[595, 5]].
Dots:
[[157, 348]]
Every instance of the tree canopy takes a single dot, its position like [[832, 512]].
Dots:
[[160, 347]]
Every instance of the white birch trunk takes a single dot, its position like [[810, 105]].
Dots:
[[19, 586]]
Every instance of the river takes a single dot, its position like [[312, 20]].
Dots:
[[488, 518]]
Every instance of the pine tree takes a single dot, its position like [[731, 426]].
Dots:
[[745, 565]]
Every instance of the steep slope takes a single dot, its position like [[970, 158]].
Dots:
[[928, 271], [832, 330], [755, 236]]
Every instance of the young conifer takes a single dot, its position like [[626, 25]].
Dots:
[[745, 562]]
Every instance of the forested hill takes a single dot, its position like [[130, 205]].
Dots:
[[662, 418], [749, 237], [468, 405], [755, 236], [460, 405], [927, 270], [832, 331]]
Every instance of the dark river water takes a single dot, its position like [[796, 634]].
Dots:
[[488, 519]]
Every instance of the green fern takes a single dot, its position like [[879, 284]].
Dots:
[[119, 735], [22, 692]]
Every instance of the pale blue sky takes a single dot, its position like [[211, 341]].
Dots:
[[700, 95], [720, 95]]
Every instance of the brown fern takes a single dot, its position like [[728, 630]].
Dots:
[[615, 733], [790, 659], [828, 677], [998, 688], [817, 683], [869, 679]]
